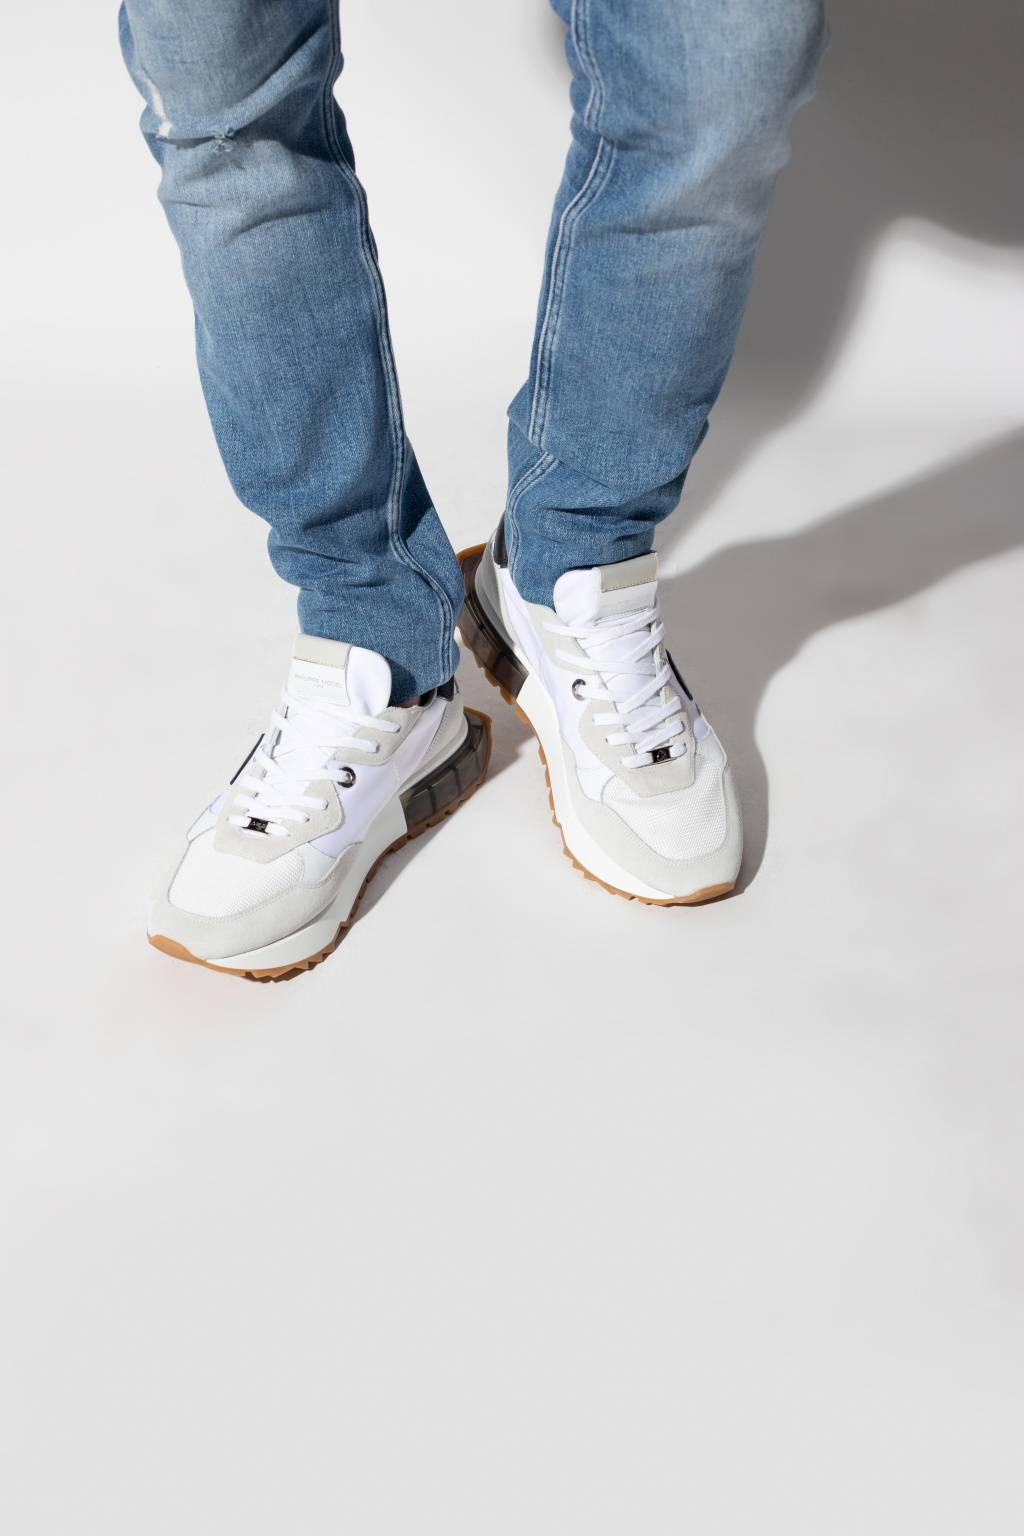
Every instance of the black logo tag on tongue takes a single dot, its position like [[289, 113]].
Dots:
[[255, 825], [661, 754]]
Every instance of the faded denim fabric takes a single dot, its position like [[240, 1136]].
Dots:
[[681, 114], [681, 111]]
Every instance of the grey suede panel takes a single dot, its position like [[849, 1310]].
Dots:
[[629, 573], [539, 616], [388, 741], [653, 778], [676, 877], [324, 653], [262, 848], [212, 938]]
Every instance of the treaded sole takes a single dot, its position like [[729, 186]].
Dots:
[[478, 632], [410, 800]]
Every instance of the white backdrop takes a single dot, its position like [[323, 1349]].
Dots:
[[532, 1210]]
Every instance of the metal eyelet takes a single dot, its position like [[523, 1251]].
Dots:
[[348, 780], [580, 682]]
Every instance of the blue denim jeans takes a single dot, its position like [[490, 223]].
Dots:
[[681, 112]]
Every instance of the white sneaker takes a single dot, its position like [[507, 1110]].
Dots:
[[272, 872], [639, 784]]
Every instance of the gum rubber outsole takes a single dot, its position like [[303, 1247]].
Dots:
[[297, 968], [480, 632]]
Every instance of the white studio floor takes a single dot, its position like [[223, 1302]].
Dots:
[[532, 1210]]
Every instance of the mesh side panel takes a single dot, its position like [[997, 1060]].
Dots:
[[681, 825], [212, 884]]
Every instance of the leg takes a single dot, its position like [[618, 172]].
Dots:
[[682, 110], [292, 335], [681, 119]]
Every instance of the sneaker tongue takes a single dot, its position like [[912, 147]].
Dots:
[[333, 672], [318, 670], [606, 591]]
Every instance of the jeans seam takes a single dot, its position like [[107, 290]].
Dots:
[[537, 471], [396, 421], [579, 23], [595, 180]]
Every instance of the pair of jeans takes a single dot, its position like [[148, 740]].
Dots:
[[681, 112]]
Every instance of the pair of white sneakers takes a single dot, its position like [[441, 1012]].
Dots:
[[271, 873]]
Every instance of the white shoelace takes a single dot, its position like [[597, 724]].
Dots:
[[635, 676], [299, 747]]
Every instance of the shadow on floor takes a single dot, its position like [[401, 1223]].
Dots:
[[740, 616], [744, 613], [508, 737], [919, 114]]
